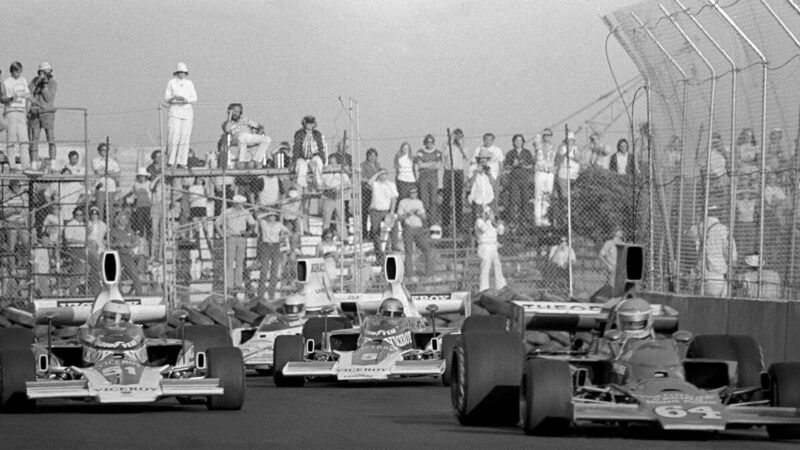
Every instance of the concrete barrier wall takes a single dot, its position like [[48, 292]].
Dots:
[[774, 324]]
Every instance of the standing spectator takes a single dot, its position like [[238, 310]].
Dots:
[[15, 211], [292, 215], [481, 191], [17, 88], [42, 113], [4, 100], [770, 280], [779, 158], [308, 140], [75, 249], [717, 171], [428, 163], [142, 202], [544, 178], [453, 181], [621, 162], [245, 133], [238, 219], [154, 168], [411, 213], [107, 185], [487, 230], [518, 165], [198, 203], [716, 244], [369, 168], [599, 153], [179, 95], [72, 191], [341, 157], [404, 169], [747, 153], [96, 233], [570, 168], [272, 234], [608, 255], [494, 162], [333, 188], [125, 241], [384, 197]]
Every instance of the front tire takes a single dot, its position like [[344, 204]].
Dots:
[[287, 349], [227, 364], [785, 392], [486, 377], [742, 349], [17, 366], [548, 397], [16, 338], [448, 345]]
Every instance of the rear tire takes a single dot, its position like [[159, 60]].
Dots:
[[484, 323], [287, 349], [742, 349], [227, 364], [17, 366], [448, 345], [486, 377], [548, 394], [785, 392], [16, 338]]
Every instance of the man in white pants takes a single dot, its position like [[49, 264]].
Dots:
[[487, 230], [16, 87], [180, 95], [245, 133], [543, 177]]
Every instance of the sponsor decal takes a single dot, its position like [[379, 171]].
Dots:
[[430, 297], [561, 307], [85, 302], [679, 397], [679, 411], [380, 332], [399, 341], [369, 357], [316, 268], [361, 369], [122, 389]]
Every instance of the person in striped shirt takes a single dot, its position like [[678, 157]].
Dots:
[[246, 133]]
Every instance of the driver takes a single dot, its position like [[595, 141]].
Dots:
[[390, 326], [635, 319], [114, 314], [291, 314], [391, 307]]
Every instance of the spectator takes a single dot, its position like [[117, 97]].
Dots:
[[283, 156], [411, 213], [518, 165], [107, 185], [198, 203], [562, 254], [778, 203], [15, 211], [42, 113], [747, 199], [494, 162], [142, 193], [747, 153], [621, 162], [96, 234], [125, 242], [487, 230], [384, 198], [272, 234], [245, 133], [481, 192], [341, 157], [369, 168], [179, 95], [41, 257], [428, 163], [4, 100], [75, 250], [544, 178], [570, 168], [70, 192], [238, 219], [779, 159], [404, 169], [608, 255], [716, 241], [453, 181], [718, 168], [599, 153], [308, 140], [292, 215], [17, 88], [333, 187], [770, 280], [154, 168]]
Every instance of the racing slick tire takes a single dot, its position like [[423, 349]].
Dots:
[[205, 336], [227, 364], [484, 323], [315, 326], [448, 345], [742, 349], [288, 348], [548, 393], [17, 366], [486, 378], [785, 392], [16, 338]]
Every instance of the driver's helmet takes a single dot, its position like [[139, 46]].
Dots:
[[391, 307], [115, 312], [635, 318], [294, 307]]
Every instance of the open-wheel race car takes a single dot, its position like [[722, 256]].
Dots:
[[111, 361], [376, 337], [627, 363]]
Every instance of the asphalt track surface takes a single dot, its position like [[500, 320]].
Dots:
[[409, 415]]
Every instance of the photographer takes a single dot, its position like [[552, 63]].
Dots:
[[42, 113], [487, 229]]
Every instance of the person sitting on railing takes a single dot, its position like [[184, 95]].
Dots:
[[246, 132], [308, 141]]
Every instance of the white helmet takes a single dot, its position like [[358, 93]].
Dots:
[[294, 306], [635, 318], [114, 312], [391, 307]]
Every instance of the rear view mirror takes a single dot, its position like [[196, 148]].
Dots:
[[613, 335], [682, 336], [431, 308]]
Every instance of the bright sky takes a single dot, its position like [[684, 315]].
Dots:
[[415, 67]]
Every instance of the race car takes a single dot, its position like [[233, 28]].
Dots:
[[631, 365], [111, 361]]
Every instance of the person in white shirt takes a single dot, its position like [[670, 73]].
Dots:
[[453, 181], [75, 251], [404, 169], [16, 87], [382, 205], [570, 168], [487, 230], [179, 95], [608, 255], [599, 153], [770, 280], [272, 234], [482, 191], [543, 177], [333, 187], [107, 184], [411, 213]]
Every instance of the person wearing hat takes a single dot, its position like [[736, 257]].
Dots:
[[382, 205], [770, 279], [42, 113], [16, 87], [543, 177], [107, 180], [487, 230], [411, 213], [271, 234], [308, 140], [570, 167], [179, 96], [235, 222], [482, 191]]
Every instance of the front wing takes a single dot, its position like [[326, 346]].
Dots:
[[413, 368]]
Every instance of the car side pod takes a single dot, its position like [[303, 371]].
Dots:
[[486, 378]]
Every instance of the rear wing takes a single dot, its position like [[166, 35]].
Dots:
[[76, 311], [573, 317], [447, 302]]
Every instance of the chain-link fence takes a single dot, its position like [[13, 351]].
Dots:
[[723, 212]]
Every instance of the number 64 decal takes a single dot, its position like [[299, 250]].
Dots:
[[677, 411]]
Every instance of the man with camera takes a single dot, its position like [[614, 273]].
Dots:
[[42, 113]]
